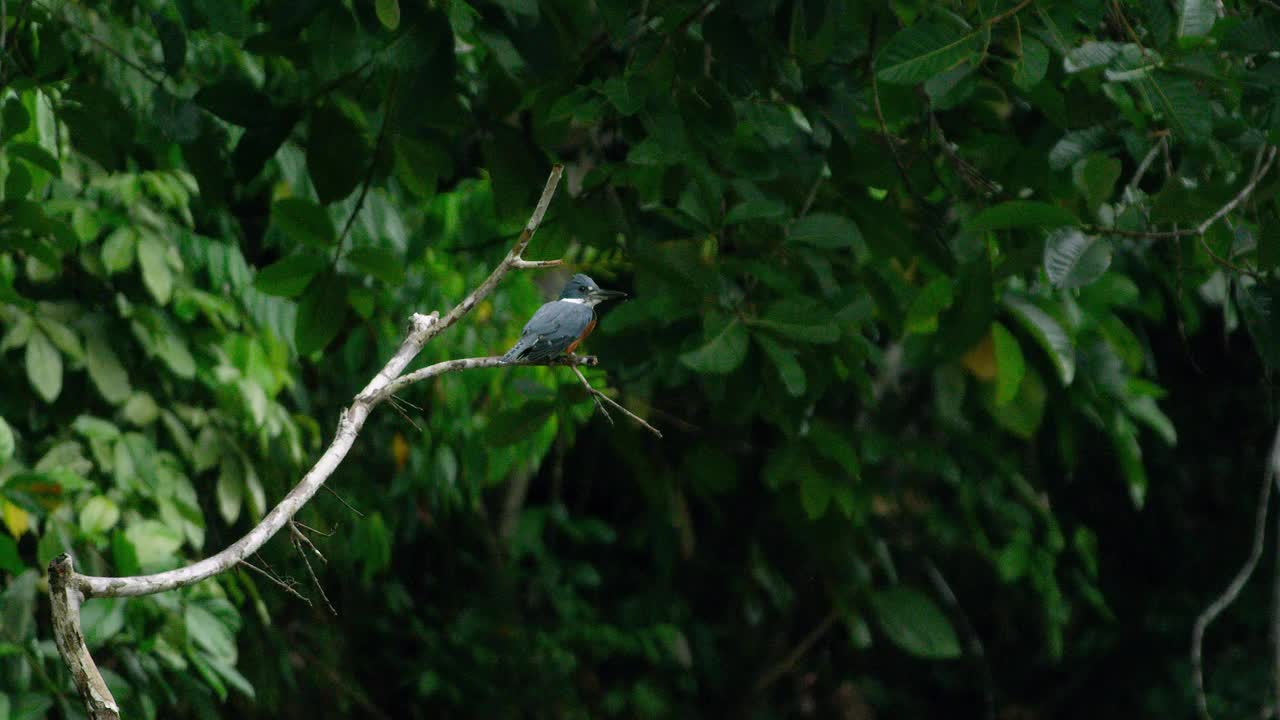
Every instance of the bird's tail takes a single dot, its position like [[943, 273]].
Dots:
[[515, 352]]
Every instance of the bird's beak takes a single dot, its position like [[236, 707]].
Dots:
[[600, 294]]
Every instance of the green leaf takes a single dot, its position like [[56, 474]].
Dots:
[[118, 249], [815, 495], [10, 562], [723, 349], [36, 155], [784, 359], [1010, 366], [1145, 410], [1196, 17], [1048, 333], [922, 314], [1184, 106], [208, 633], [322, 312], [1124, 440], [755, 209], [230, 489], [62, 337], [1075, 145], [337, 153], [1073, 259], [303, 221], [801, 320], [95, 428], [8, 444], [921, 51], [106, 371], [172, 349], [388, 13], [141, 409], [98, 515], [827, 231], [915, 623], [289, 276], [1091, 55], [18, 334], [381, 263], [154, 542], [1023, 414], [156, 273], [1020, 214], [44, 366], [102, 619], [1096, 177], [1032, 65]]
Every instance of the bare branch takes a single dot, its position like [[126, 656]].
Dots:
[[784, 666], [532, 264], [66, 599], [1262, 165], [601, 396], [68, 588], [599, 403], [286, 586], [1147, 159], [1229, 595], [515, 255]]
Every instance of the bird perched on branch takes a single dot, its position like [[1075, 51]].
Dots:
[[559, 326]]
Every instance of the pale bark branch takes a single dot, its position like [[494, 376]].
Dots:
[[68, 588], [1229, 595]]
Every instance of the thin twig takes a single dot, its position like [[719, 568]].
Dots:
[[343, 500], [308, 528], [788, 662], [287, 587], [875, 101], [1229, 595], [311, 571], [1262, 165], [300, 537], [597, 394], [395, 402], [599, 403], [368, 173], [1146, 163], [88, 35], [972, 640]]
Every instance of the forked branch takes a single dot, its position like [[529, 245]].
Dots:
[[68, 588]]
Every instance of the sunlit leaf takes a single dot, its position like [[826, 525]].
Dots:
[[915, 623]]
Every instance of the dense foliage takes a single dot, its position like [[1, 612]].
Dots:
[[934, 302]]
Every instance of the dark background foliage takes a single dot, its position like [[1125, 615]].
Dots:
[[963, 368]]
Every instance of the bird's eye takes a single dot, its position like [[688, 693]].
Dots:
[[582, 287]]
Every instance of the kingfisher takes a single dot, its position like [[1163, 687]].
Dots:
[[561, 325]]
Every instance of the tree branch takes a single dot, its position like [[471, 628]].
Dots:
[[68, 588], [1229, 595], [1262, 164], [601, 396]]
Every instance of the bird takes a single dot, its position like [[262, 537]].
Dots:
[[561, 325]]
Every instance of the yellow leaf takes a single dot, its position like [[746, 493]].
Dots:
[[981, 359], [15, 518], [399, 451]]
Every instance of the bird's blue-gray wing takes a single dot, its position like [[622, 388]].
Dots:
[[553, 328]]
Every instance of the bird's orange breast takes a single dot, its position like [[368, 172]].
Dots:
[[574, 345]]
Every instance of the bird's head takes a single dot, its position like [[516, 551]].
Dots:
[[583, 289]]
